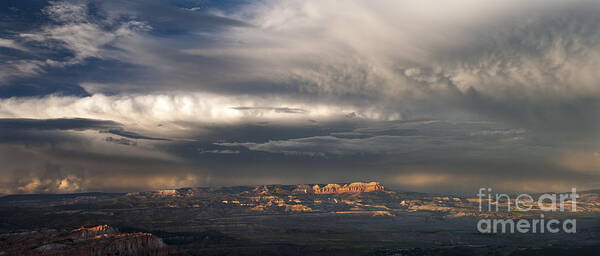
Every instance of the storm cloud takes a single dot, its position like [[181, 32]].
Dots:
[[445, 96]]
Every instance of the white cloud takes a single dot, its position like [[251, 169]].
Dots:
[[407, 50], [7, 43], [146, 112], [67, 11], [75, 32]]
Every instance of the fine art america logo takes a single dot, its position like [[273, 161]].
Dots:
[[545, 203]]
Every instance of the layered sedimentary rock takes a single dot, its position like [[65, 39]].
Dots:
[[130, 244], [93, 232], [355, 187], [164, 193], [332, 188], [97, 240], [302, 189]]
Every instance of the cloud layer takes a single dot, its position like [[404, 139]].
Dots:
[[428, 96]]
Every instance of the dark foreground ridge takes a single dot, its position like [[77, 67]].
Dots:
[[96, 240]]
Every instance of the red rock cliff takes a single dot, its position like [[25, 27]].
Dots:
[[355, 187]]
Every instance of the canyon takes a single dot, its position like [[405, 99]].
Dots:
[[353, 218]]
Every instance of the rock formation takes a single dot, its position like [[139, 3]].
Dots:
[[355, 187], [97, 240], [93, 232], [302, 189]]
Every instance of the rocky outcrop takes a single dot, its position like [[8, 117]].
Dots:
[[93, 232], [261, 190], [130, 244], [163, 193], [97, 240], [297, 208], [355, 187], [302, 189]]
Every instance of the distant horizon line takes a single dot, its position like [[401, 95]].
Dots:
[[392, 188]]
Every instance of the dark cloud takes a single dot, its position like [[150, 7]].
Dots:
[[23, 129], [55, 124], [131, 135], [121, 141]]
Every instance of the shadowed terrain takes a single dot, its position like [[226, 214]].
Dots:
[[285, 220]]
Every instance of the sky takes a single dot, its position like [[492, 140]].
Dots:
[[433, 96]]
